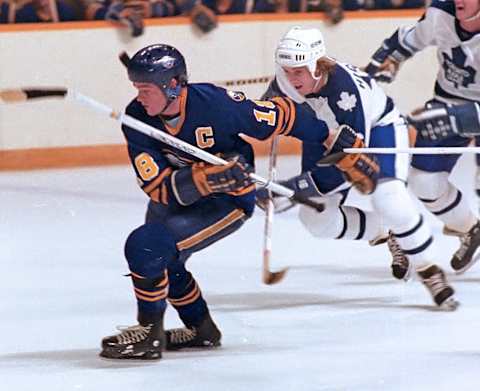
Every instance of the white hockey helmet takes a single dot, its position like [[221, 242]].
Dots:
[[301, 47]]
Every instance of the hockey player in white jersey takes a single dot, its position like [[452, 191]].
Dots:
[[454, 28], [346, 98]]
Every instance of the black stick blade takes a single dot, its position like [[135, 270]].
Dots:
[[271, 278], [22, 95]]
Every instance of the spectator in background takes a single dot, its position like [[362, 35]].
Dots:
[[354, 5], [129, 13], [132, 12], [225, 7], [333, 8], [34, 11]]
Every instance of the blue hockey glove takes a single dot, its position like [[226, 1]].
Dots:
[[303, 185], [437, 121], [386, 60]]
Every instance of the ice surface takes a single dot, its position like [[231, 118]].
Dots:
[[337, 322]]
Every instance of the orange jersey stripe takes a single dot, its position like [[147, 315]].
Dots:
[[291, 119]]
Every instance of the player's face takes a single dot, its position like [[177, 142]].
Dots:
[[151, 97], [466, 8], [301, 79]]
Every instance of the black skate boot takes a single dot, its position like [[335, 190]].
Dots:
[[434, 280], [464, 258], [206, 335], [400, 264], [141, 342]]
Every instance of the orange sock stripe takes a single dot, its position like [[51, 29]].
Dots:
[[151, 299], [232, 217], [137, 275], [187, 299], [160, 292]]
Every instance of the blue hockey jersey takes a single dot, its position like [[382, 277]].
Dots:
[[211, 118]]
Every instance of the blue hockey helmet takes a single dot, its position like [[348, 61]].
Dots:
[[159, 64]]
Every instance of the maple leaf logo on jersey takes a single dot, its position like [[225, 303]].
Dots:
[[455, 69], [347, 102]]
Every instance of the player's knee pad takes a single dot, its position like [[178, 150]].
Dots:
[[443, 200], [326, 224], [149, 249], [342, 222], [428, 185], [393, 202], [400, 214]]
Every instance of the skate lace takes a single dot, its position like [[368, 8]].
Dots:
[[132, 334], [465, 241], [398, 256], [182, 335], [435, 283]]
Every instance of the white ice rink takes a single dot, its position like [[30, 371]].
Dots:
[[337, 322]]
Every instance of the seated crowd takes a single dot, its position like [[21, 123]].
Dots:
[[202, 12]]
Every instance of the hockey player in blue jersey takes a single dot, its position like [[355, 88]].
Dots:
[[454, 28], [340, 94], [194, 204]]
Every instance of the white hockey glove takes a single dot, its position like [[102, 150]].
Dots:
[[386, 60], [437, 121], [303, 185]]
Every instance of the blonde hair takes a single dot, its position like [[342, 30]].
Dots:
[[325, 66]]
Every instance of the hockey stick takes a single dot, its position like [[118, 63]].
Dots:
[[268, 276], [415, 150], [21, 95]]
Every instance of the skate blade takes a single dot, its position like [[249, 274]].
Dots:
[[474, 260], [409, 274], [451, 304]]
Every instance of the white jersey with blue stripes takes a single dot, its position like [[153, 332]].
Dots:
[[458, 51]]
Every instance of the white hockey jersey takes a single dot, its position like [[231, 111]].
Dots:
[[458, 51], [349, 97]]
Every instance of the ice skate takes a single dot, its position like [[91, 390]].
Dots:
[[207, 335], [435, 281], [466, 256], [135, 342], [401, 268]]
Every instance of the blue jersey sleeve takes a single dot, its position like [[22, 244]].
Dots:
[[261, 119]]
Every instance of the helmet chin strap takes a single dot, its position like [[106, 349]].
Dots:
[[169, 102], [318, 81], [473, 17], [286, 87]]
